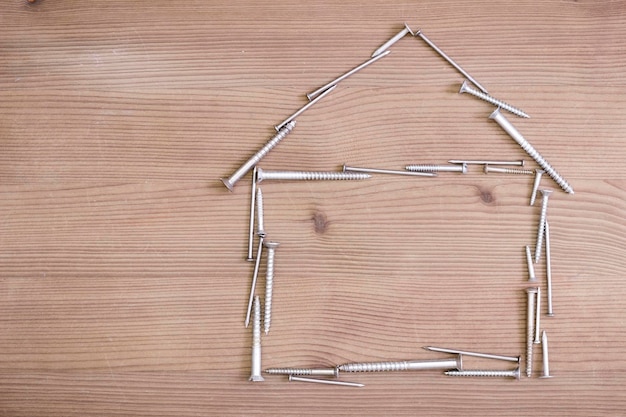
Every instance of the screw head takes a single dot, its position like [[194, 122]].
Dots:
[[531, 290], [517, 373], [227, 183], [409, 29], [259, 175], [463, 87], [546, 193], [271, 245]]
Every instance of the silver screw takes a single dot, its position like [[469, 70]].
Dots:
[[538, 317], [259, 212], [544, 352], [532, 152], [489, 168], [549, 269], [393, 40], [320, 90], [255, 275], [250, 163], [304, 371], [502, 374], [263, 175], [269, 284], [529, 330], [529, 263], [256, 343], [304, 108], [486, 97], [437, 168], [542, 222], [450, 61], [252, 210], [480, 162], [388, 171], [476, 354], [456, 363], [533, 194], [325, 381]]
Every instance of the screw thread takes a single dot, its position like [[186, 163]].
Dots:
[[508, 170], [284, 131], [478, 373], [465, 88], [530, 330], [289, 371], [256, 323], [310, 175], [259, 212], [269, 288], [436, 168], [541, 227], [533, 194], [374, 366]]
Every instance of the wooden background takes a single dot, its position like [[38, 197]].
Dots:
[[123, 282]]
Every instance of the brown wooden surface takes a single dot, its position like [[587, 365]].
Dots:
[[123, 282]]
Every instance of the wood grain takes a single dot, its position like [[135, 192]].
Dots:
[[123, 282]]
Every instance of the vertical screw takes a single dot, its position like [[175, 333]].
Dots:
[[269, 284], [255, 275], [259, 212], [393, 40], [255, 375], [252, 209], [437, 168], [531, 268], [530, 150], [309, 175], [503, 374], [489, 169], [486, 97], [533, 194], [544, 352], [529, 330], [303, 109], [250, 163], [549, 269], [542, 222], [538, 317]]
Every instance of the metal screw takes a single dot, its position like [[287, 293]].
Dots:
[[456, 363], [529, 330], [486, 97], [304, 371], [538, 317], [252, 209], [308, 175], [450, 61], [387, 171], [259, 212], [544, 354], [255, 275], [542, 222], [250, 163], [531, 268], [304, 108], [532, 152], [479, 162], [549, 269], [320, 90], [503, 374], [256, 343], [437, 168], [393, 40], [476, 354], [533, 194], [269, 284], [489, 169], [325, 381]]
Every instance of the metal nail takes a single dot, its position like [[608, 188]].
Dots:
[[544, 352], [450, 61], [486, 97], [531, 267], [533, 194], [304, 108], [325, 381], [256, 343], [260, 229], [489, 168], [542, 222], [516, 359], [255, 275], [393, 40], [388, 171], [549, 270], [538, 317], [252, 210], [479, 373], [337, 80], [480, 162], [437, 168]]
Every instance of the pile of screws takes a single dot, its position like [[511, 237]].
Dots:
[[452, 366]]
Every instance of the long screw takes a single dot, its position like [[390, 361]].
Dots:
[[252, 211], [320, 90], [256, 343], [450, 61], [538, 317], [303, 371], [437, 168], [260, 213], [542, 222], [255, 275], [388, 171], [530, 150], [481, 162], [503, 374], [393, 40], [533, 194], [456, 363], [476, 354], [529, 330], [263, 175], [548, 270], [544, 354], [486, 97], [250, 163], [269, 284], [304, 108], [325, 381], [489, 168], [529, 262]]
